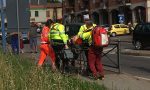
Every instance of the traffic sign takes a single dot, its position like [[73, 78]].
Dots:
[[121, 18]]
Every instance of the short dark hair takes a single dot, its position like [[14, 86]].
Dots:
[[48, 22]]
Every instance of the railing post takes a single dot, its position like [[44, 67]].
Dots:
[[118, 55]]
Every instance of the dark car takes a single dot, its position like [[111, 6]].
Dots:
[[72, 29], [25, 37], [141, 36], [106, 26]]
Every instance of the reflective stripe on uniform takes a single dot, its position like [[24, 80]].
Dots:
[[56, 32], [55, 37]]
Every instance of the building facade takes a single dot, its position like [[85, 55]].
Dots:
[[38, 13], [41, 10], [107, 11]]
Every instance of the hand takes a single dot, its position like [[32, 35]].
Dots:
[[74, 39], [66, 46]]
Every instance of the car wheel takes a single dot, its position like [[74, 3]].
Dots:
[[113, 34], [125, 32], [138, 45]]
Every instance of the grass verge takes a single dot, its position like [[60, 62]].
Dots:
[[21, 73]]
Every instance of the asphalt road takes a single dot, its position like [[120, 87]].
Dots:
[[135, 65]]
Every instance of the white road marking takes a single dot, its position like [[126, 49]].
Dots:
[[147, 79], [142, 56], [137, 77]]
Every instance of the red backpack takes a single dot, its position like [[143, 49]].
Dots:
[[99, 37]]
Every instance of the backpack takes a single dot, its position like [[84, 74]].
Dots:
[[99, 37]]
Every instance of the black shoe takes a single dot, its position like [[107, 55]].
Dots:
[[101, 77]]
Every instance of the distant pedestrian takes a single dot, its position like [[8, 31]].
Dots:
[[14, 42], [131, 28], [33, 37], [21, 44]]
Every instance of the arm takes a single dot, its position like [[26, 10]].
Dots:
[[44, 34], [80, 33], [62, 34]]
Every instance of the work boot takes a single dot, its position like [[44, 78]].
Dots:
[[101, 77]]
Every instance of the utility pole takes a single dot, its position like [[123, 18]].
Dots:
[[3, 26], [18, 26]]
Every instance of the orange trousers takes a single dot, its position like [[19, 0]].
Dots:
[[46, 49]]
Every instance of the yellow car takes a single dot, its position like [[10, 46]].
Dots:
[[118, 29]]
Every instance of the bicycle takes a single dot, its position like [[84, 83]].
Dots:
[[62, 57]]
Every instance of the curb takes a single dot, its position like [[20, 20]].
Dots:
[[136, 77], [135, 52]]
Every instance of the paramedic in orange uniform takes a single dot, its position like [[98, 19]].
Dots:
[[45, 46]]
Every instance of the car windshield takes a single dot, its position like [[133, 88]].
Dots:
[[123, 26], [24, 34]]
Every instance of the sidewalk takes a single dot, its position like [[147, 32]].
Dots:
[[124, 82], [115, 81], [136, 52]]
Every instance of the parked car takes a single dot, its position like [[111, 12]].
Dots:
[[106, 26], [141, 36], [1, 35], [25, 37], [1, 32], [118, 29]]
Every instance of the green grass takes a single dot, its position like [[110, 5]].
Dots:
[[21, 73]]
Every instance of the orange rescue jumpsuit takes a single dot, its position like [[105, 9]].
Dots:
[[45, 47]]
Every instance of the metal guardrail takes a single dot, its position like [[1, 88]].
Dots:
[[83, 63], [116, 45]]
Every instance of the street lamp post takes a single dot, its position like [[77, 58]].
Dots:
[[3, 26], [18, 26]]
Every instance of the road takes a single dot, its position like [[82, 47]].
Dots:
[[135, 65]]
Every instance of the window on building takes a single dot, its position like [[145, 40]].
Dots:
[[36, 13], [47, 13]]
